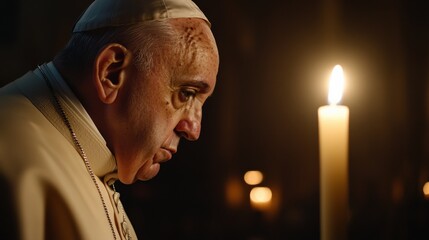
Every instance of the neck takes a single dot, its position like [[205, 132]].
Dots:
[[82, 86], [71, 76]]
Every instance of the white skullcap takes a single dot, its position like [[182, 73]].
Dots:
[[110, 13]]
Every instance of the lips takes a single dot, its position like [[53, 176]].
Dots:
[[171, 150], [167, 149], [167, 154]]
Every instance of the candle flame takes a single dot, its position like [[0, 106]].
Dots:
[[336, 85]]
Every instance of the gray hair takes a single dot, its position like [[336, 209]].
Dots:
[[147, 41]]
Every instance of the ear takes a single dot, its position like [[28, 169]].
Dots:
[[109, 71]]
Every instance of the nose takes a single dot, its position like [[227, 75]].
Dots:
[[189, 126]]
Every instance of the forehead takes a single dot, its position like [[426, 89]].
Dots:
[[197, 56], [194, 37]]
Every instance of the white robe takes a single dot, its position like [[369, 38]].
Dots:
[[47, 192]]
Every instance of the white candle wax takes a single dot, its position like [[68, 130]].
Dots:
[[333, 143]]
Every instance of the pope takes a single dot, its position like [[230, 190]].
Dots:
[[113, 104]]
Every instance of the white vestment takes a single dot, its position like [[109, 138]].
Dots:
[[47, 192]]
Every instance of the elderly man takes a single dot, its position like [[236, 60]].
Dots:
[[112, 105]]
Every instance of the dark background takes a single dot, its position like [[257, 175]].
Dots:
[[276, 57]]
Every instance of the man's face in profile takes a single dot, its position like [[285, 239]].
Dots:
[[157, 109]]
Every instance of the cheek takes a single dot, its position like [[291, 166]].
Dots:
[[148, 124], [149, 116]]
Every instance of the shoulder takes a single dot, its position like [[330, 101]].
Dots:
[[28, 140]]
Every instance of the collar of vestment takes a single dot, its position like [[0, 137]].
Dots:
[[99, 156]]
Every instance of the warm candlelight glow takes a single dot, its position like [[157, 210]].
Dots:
[[426, 189], [336, 85], [253, 177], [260, 195], [234, 192]]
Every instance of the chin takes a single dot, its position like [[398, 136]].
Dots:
[[126, 179], [148, 172]]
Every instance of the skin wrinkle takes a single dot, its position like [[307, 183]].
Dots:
[[188, 47], [187, 65], [190, 42]]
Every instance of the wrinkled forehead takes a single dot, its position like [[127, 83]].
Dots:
[[197, 53], [194, 34], [195, 40]]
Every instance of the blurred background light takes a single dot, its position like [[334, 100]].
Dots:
[[260, 195], [426, 189], [253, 177]]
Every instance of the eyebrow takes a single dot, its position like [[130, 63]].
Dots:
[[203, 86]]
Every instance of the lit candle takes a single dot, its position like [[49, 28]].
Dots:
[[260, 198], [333, 143]]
